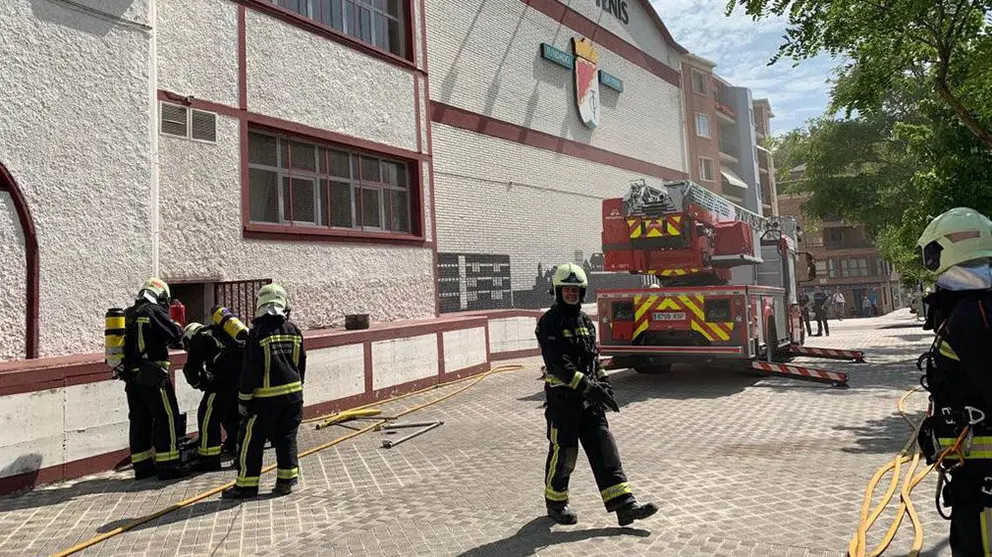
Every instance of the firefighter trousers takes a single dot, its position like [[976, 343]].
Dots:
[[215, 411], [971, 531], [569, 424], [278, 419], [153, 414]]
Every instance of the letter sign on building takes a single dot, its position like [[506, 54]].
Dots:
[[616, 7]]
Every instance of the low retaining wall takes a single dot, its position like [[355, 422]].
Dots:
[[65, 417]]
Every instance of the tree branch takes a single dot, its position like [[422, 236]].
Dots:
[[962, 112]]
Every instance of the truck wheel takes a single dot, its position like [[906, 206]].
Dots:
[[653, 369]]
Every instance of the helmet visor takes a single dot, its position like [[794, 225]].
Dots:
[[971, 275]]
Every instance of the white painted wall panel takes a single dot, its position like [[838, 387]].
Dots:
[[31, 431], [403, 360], [465, 348], [334, 373], [512, 333]]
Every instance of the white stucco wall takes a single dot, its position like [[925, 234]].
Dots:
[[401, 360], [539, 206], [511, 334], [74, 132], [485, 58], [198, 49], [464, 348], [306, 78], [639, 31], [12, 275], [201, 236]]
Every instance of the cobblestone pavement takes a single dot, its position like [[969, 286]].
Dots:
[[740, 466]]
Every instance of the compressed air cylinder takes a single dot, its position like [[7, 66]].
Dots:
[[229, 322], [113, 337]]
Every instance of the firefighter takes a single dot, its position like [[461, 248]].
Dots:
[[957, 247], [578, 392], [270, 397], [151, 398], [213, 365]]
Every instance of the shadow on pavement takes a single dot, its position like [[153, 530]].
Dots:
[[57, 494], [195, 510], [537, 534]]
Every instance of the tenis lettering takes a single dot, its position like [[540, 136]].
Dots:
[[616, 7]]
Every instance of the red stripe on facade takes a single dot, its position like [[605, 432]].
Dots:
[[471, 121], [600, 35]]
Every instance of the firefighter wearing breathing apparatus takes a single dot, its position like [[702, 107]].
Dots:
[[153, 411], [213, 365], [578, 392], [957, 247], [270, 396]]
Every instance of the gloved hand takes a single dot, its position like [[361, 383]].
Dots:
[[206, 381], [243, 409], [598, 393]]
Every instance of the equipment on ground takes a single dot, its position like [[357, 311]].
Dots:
[[425, 427], [348, 415], [692, 241]]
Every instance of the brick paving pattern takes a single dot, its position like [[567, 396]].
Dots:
[[740, 466]]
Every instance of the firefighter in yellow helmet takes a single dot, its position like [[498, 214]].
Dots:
[[578, 392], [957, 248], [153, 411], [213, 365], [271, 394]]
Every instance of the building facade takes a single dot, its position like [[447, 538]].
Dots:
[[846, 262], [726, 127], [539, 111], [219, 144]]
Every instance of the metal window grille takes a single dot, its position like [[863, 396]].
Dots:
[[239, 296]]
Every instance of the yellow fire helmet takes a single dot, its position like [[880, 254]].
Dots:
[[189, 331], [569, 274], [954, 237], [155, 290], [272, 300]]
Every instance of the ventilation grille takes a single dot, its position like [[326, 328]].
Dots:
[[180, 121]]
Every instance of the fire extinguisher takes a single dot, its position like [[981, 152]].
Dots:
[[177, 312]]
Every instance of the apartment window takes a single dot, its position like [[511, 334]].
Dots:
[[379, 23], [702, 125], [699, 83], [821, 268], [854, 267], [705, 169], [292, 181]]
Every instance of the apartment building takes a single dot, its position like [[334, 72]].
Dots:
[[726, 127], [846, 262]]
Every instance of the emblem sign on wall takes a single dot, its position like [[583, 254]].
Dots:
[[584, 63]]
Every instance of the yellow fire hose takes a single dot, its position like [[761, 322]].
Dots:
[[185, 502], [858, 545]]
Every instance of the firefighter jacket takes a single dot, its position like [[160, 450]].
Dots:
[[213, 361], [567, 337], [148, 333], [275, 361], [959, 377]]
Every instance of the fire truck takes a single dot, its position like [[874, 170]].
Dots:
[[725, 291]]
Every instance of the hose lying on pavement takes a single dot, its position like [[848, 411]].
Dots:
[[858, 545], [214, 491]]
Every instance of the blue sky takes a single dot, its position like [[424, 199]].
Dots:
[[741, 49]]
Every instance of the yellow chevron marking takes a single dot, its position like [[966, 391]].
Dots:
[[643, 308], [668, 303], [697, 327], [640, 329]]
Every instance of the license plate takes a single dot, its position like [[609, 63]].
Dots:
[[669, 316]]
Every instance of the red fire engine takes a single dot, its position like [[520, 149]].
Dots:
[[692, 240]]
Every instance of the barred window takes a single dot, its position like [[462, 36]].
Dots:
[[298, 182], [379, 23]]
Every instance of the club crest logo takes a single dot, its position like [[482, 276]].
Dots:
[[586, 82]]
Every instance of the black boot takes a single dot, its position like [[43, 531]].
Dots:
[[563, 515], [207, 464], [239, 493], [283, 487], [632, 511], [172, 472], [144, 471]]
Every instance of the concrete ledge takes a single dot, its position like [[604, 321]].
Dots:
[[86, 410]]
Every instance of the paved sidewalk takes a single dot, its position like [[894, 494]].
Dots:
[[740, 466]]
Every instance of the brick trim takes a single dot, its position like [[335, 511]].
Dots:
[[479, 123]]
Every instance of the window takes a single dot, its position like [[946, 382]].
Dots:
[[702, 125], [854, 267], [699, 83], [301, 183], [821, 268], [705, 169], [376, 22]]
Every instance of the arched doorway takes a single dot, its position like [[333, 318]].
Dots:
[[7, 185]]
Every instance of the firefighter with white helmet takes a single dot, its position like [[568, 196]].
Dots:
[[153, 410], [578, 392], [271, 394], [957, 247]]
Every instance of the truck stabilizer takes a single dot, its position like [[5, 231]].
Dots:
[[835, 378], [827, 353]]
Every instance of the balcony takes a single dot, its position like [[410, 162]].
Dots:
[[725, 113], [728, 151]]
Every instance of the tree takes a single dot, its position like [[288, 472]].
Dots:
[[944, 44]]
